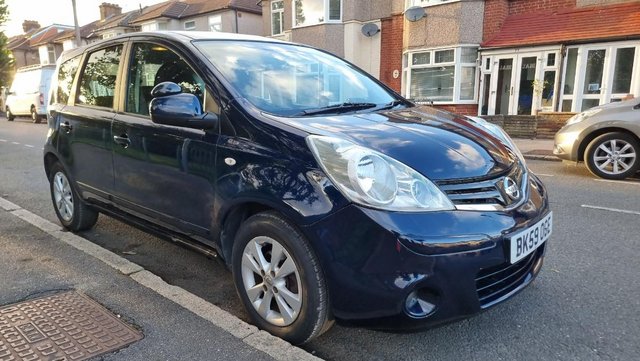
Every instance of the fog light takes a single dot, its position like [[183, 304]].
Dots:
[[557, 149], [417, 303]]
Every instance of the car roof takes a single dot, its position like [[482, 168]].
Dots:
[[180, 36]]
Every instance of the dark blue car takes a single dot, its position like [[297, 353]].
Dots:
[[329, 196]]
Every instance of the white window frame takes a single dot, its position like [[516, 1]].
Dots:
[[457, 77], [427, 3], [326, 15], [153, 26], [189, 27], [215, 20], [279, 13], [608, 68]]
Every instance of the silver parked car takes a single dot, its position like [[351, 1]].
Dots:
[[606, 138]]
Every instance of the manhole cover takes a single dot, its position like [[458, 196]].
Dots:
[[65, 326]]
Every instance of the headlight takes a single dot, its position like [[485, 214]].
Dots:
[[582, 116], [375, 180]]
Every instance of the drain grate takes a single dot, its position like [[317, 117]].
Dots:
[[65, 326]]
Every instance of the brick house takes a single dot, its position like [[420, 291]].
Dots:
[[558, 56], [232, 16], [432, 59], [36, 45]]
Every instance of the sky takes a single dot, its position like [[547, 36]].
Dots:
[[48, 12]]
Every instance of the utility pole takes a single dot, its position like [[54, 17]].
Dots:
[[75, 20]]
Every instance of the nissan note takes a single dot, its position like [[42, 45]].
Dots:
[[328, 195]]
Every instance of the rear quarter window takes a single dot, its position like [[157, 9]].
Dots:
[[98, 81], [66, 73]]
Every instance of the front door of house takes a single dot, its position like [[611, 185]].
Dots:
[[512, 91], [520, 83]]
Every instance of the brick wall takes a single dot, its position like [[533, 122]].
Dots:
[[542, 126], [463, 109], [529, 6], [496, 11], [391, 51]]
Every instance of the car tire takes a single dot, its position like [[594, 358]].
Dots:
[[10, 116], [72, 212], [613, 156], [35, 118], [287, 298]]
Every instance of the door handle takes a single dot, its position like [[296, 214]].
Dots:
[[66, 127], [122, 140]]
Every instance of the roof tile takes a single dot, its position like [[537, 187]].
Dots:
[[569, 26]]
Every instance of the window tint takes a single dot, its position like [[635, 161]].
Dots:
[[98, 80], [66, 73], [152, 64]]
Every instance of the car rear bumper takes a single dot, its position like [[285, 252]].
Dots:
[[372, 264]]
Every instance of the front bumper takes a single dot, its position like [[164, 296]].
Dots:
[[566, 144], [373, 260]]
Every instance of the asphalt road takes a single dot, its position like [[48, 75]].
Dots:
[[583, 306]]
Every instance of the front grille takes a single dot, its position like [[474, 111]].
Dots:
[[494, 283], [486, 192]]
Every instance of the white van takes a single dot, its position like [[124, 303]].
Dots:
[[29, 93]]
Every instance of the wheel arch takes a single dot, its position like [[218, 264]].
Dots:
[[598, 132], [49, 160], [233, 219]]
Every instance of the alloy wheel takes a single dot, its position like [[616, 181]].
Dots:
[[63, 197], [271, 281], [614, 156]]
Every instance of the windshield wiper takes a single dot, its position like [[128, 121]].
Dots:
[[392, 104], [338, 108]]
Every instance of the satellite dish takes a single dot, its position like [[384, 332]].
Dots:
[[370, 29], [414, 13]]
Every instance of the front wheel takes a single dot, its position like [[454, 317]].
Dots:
[[10, 116], [613, 156], [279, 280], [74, 214]]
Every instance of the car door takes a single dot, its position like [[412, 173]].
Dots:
[[163, 172], [84, 124]]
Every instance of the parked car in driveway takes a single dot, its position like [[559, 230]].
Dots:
[[606, 138], [329, 196], [29, 92]]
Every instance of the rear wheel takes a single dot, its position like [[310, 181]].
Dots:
[[613, 156], [72, 212], [10, 116], [35, 118], [279, 280]]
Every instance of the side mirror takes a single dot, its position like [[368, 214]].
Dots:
[[170, 106]]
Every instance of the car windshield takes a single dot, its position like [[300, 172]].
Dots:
[[290, 80]]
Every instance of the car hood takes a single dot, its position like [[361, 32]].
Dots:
[[438, 144]]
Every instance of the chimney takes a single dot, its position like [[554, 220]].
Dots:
[[29, 25], [108, 10]]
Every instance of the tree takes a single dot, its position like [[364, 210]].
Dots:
[[6, 59]]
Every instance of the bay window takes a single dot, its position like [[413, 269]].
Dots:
[[441, 75], [312, 12]]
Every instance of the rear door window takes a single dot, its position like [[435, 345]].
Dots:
[[66, 73], [98, 81]]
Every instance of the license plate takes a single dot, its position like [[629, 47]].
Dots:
[[525, 242]]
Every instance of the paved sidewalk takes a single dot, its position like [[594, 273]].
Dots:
[[38, 259], [539, 149]]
